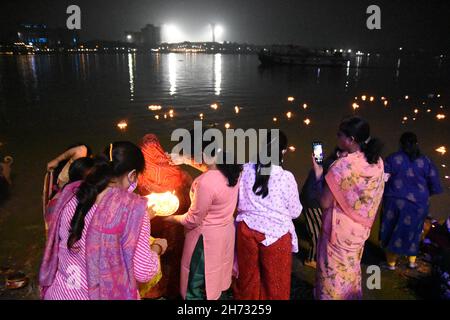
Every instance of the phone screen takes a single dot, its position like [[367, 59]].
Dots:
[[318, 152]]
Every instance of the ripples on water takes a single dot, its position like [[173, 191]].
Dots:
[[61, 99]]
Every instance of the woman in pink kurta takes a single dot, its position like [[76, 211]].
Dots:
[[350, 200], [210, 219]]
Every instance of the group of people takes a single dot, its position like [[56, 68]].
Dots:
[[234, 227]]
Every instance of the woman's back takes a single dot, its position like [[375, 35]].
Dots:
[[71, 280], [413, 180]]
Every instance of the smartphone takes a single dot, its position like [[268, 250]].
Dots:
[[318, 151]]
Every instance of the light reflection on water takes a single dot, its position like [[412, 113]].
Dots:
[[75, 94]]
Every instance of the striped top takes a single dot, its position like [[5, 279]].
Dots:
[[71, 279]]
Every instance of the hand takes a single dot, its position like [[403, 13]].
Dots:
[[160, 244], [341, 154], [176, 159], [151, 213], [318, 169], [52, 165]]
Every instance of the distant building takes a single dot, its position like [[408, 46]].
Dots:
[[149, 36], [40, 35]]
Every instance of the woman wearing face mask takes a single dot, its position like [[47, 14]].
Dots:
[[351, 193], [98, 242]]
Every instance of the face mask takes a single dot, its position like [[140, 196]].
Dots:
[[133, 185]]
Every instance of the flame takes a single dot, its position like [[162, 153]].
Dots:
[[305, 106], [291, 148], [290, 99], [154, 107], [275, 119], [227, 125], [307, 121], [355, 106], [214, 106], [363, 97], [289, 115], [236, 109], [163, 204], [122, 125], [442, 150], [440, 116]]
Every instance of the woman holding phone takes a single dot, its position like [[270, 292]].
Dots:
[[350, 193]]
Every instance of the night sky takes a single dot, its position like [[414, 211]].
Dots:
[[317, 23]]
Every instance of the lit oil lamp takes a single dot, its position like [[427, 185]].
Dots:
[[289, 115], [307, 121], [227, 125], [291, 148], [405, 118], [154, 107], [363, 97], [442, 150], [122, 125], [163, 204], [305, 106], [385, 102], [157, 116], [355, 106], [236, 109], [416, 111], [290, 99], [201, 116], [274, 119], [440, 116], [371, 99], [406, 97], [214, 106]]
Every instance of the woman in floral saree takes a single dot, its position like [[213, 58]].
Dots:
[[350, 196]]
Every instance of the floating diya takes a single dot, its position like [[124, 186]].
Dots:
[[363, 97], [440, 116], [214, 106], [122, 125], [307, 121], [154, 107], [289, 115], [163, 204], [372, 99], [355, 106], [290, 99], [442, 150]]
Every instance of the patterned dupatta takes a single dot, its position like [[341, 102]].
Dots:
[[110, 244]]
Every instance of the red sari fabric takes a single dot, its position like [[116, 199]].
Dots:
[[264, 271], [162, 176]]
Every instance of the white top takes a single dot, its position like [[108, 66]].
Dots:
[[273, 214]]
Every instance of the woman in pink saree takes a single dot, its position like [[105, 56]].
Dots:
[[351, 193]]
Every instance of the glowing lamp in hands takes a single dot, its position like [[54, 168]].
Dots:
[[163, 204]]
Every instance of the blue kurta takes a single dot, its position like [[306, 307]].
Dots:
[[406, 201]]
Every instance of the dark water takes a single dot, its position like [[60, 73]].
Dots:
[[49, 102]]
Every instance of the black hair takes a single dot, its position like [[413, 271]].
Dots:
[[126, 157], [80, 168], [359, 129], [261, 185], [409, 145], [231, 171]]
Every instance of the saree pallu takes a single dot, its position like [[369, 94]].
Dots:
[[357, 188]]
